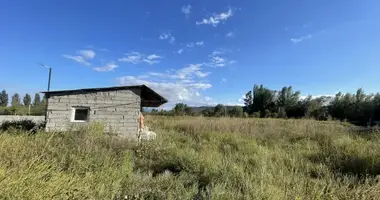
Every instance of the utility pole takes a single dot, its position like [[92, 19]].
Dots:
[[48, 90]]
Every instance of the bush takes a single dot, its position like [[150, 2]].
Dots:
[[23, 125]]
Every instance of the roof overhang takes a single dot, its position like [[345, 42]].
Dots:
[[149, 98]]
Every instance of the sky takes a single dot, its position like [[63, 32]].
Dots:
[[196, 52]]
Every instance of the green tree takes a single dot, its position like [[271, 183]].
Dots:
[[206, 113], [37, 100], [188, 110], [180, 108], [263, 100], [236, 111], [27, 99], [16, 100], [3, 98], [248, 101], [220, 110], [376, 107], [287, 98]]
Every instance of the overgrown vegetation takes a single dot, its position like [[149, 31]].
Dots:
[[195, 158], [21, 125]]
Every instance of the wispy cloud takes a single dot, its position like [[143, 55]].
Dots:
[[230, 34], [108, 67], [200, 43], [180, 51], [192, 44], [82, 57], [87, 54], [152, 59], [208, 99], [189, 72], [300, 39], [186, 9], [223, 80], [137, 58], [167, 36], [218, 60], [215, 19], [78, 59]]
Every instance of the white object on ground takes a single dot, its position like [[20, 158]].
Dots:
[[146, 134]]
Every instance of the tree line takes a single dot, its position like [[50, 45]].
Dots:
[[20, 106], [181, 109], [359, 108]]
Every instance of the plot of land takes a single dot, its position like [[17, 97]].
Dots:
[[208, 158]]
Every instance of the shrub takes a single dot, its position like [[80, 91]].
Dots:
[[22, 125]]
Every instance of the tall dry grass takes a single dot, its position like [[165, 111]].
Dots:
[[195, 158]]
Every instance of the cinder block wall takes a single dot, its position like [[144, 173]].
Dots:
[[118, 111]]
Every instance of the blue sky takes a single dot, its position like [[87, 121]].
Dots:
[[197, 52]]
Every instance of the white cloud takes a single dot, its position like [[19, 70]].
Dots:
[[78, 59], [108, 67], [230, 34], [152, 59], [134, 58], [82, 57], [220, 52], [187, 73], [153, 56], [241, 99], [193, 69], [218, 60], [200, 43], [190, 45], [87, 54], [180, 51], [216, 18], [137, 58], [173, 91], [167, 36], [223, 80], [186, 10], [208, 99], [300, 39]]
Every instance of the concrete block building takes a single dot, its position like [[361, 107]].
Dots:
[[117, 108]]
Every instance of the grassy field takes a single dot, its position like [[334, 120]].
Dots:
[[195, 158]]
